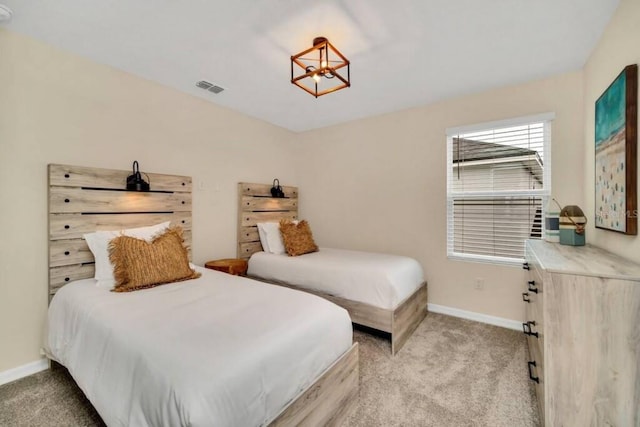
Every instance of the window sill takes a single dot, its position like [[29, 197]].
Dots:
[[510, 262]]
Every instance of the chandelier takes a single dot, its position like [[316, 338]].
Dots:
[[317, 69]]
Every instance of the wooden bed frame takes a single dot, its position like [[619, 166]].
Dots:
[[255, 205], [83, 200]]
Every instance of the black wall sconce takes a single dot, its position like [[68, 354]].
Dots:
[[135, 182], [276, 190]]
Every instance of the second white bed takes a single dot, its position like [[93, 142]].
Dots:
[[379, 280], [219, 350]]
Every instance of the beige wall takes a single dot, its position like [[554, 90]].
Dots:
[[618, 47], [379, 184], [58, 108]]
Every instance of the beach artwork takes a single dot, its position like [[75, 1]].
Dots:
[[615, 206]]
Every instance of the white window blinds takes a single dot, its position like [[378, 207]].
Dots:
[[498, 180]]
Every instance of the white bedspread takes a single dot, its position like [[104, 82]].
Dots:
[[220, 350], [377, 279]]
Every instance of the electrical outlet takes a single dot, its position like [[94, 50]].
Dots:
[[479, 285]]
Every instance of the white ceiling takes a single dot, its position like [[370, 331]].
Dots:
[[403, 53]]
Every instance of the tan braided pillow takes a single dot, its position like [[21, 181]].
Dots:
[[138, 264], [297, 238]]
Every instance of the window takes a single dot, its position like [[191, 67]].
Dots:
[[498, 180]]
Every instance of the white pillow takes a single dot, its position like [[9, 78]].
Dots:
[[273, 237], [263, 237], [98, 242]]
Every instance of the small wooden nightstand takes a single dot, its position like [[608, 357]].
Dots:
[[237, 267]]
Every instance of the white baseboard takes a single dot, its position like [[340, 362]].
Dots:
[[478, 317], [23, 371]]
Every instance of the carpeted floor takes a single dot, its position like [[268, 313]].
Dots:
[[452, 372]]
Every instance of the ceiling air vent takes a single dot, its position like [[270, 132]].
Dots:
[[203, 84]]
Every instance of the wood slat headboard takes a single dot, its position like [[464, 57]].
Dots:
[[83, 200], [255, 205]]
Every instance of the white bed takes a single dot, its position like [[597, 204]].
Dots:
[[219, 350], [379, 280], [383, 292]]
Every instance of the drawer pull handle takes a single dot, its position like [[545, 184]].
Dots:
[[531, 377], [525, 297], [526, 328], [525, 266], [66, 252], [532, 286]]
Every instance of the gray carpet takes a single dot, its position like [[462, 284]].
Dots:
[[452, 372], [48, 398]]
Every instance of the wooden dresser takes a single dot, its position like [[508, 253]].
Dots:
[[583, 330]]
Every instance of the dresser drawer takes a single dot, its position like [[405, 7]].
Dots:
[[536, 374], [535, 290], [532, 295], [532, 304], [535, 272], [535, 339]]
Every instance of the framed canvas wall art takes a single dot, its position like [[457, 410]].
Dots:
[[616, 123]]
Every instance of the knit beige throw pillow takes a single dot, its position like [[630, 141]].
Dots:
[[138, 264], [297, 238]]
